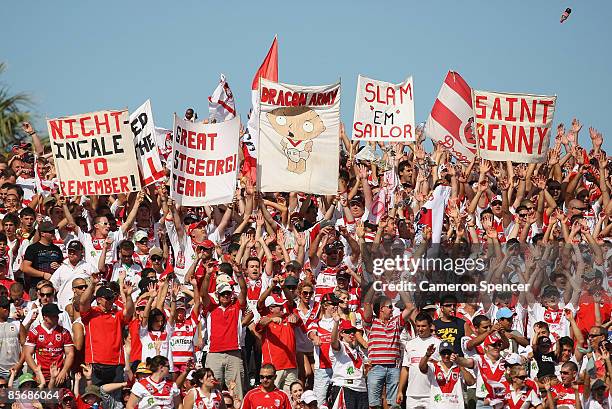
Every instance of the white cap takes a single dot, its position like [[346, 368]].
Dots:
[[140, 235], [513, 359], [271, 301], [223, 287], [497, 198], [308, 397]]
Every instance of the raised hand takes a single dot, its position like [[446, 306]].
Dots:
[[430, 350], [596, 137], [27, 127], [576, 126]]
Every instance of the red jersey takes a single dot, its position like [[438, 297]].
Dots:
[[49, 346], [135, 344], [103, 338], [278, 346], [565, 396], [259, 398], [223, 326]]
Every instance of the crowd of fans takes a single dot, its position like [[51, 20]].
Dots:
[[275, 301]]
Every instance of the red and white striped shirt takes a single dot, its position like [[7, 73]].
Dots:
[[384, 341]]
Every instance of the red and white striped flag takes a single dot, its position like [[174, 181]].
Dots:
[[451, 119], [221, 105], [339, 403], [269, 71]]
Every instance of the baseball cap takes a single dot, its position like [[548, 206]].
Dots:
[[105, 292], [496, 198], [513, 359], [223, 287], [330, 298], [492, 339], [504, 313], [92, 390], [142, 368], [270, 301], [308, 397], [333, 246], [291, 280], [46, 227], [358, 199], [293, 265], [140, 235], [196, 225], [207, 244], [429, 306], [156, 251], [75, 245], [190, 218], [593, 273], [446, 346], [398, 244], [345, 325], [50, 309], [26, 377]]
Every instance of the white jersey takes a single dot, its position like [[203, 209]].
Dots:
[[347, 364], [446, 386], [94, 246], [592, 404], [153, 395], [202, 402], [558, 325], [418, 383], [62, 280], [149, 339]]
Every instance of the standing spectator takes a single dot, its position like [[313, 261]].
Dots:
[[12, 335], [448, 327], [103, 327], [156, 391], [42, 258], [224, 321], [384, 348], [445, 377], [417, 393], [266, 395], [278, 342], [46, 295], [348, 379], [73, 267], [52, 345]]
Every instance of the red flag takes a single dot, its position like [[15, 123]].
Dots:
[[269, 67], [269, 71]]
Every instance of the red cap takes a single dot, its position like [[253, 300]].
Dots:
[[192, 226], [207, 244], [142, 302], [346, 325], [492, 339]]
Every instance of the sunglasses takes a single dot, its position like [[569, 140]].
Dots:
[[143, 241], [225, 294], [388, 306], [3, 385], [522, 377], [565, 373], [446, 352], [267, 376], [522, 215], [582, 209], [80, 287], [596, 335], [350, 331], [307, 292], [156, 258], [449, 305], [46, 295]]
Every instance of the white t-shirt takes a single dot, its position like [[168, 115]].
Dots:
[[62, 280], [347, 364], [591, 404], [418, 383]]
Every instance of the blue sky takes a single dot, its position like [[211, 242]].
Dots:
[[76, 57]]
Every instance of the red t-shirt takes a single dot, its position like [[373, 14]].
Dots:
[[135, 344], [224, 327], [585, 316], [103, 340], [258, 398], [278, 346], [7, 283], [49, 346]]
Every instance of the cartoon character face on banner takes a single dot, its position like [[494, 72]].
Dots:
[[298, 126]]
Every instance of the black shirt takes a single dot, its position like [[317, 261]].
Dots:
[[452, 332], [41, 257]]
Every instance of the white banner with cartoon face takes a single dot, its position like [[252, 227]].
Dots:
[[298, 146]]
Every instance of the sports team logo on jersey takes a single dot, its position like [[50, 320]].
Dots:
[[41, 338], [455, 376], [440, 376], [276, 402], [58, 337]]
